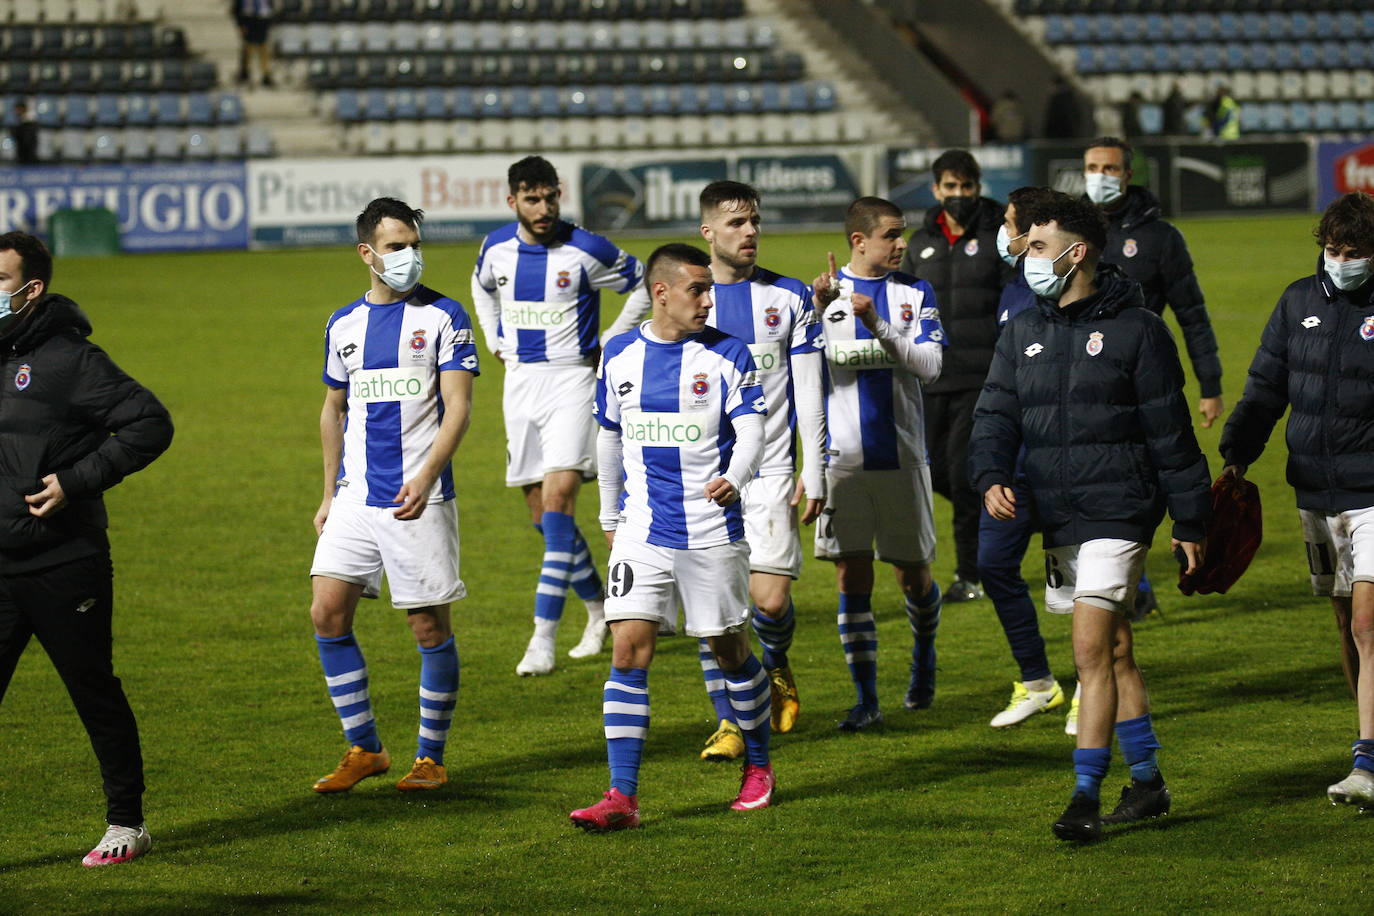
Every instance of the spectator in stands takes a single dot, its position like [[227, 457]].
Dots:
[[1063, 115], [1174, 108], [1223, 115], [1130, 116], [254, 19], [1008, 119], [25, 135], [955, 251]]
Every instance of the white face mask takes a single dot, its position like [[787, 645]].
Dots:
[[1042, 279], [7, 315], [1004, 240], [1102, 188], [1347, 275], [400, 269]]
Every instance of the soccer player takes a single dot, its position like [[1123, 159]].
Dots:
[[73, 426], [1317, 355], [883, 341], [398, 369], [1152, 252], [1002, 544], [774, 316], [536, 289], [682, 429], [1090, 384]]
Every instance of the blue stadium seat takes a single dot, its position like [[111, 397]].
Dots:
[[433, 104], [199, 109], [797, 98], [1365, 25], [105, 147], [490, 103], [1348, 116], [1285, 55], [1261, 56], [1300, 116], [1057, 30], [1276, 26], [77, 111], [405, 105], [376, 105], [1087, 59], [547, 103], [603, 101], [167, 109], [577, 100], [822, 97], [633, 102], [1358, 55], [348, 105], [1209, 56], [1152, 118], [743, 99], [1228, 26], [1252, 26], [1080, 28], [138, 110], [464, 103], [1301, 26], [1206, 27], [770, 98], [687, 99], [1324, 116], [107, 110], [47, 111], [199, 145], [717, 101], [1105, 28], [1178, 27], [662, 101], [1367, 114], [1276, 116]]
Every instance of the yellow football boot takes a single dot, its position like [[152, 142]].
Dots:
[[786, 705], [357, 765], [726, 744], [424, 774]]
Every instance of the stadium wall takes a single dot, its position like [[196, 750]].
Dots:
[[310, 202]]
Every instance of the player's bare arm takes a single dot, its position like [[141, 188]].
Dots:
[[455, 387], [331, 441]]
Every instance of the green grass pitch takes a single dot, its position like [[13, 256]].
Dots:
[[937, 813]]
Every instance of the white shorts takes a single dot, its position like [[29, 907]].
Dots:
[[1340, 549], [892, 508], [1105, 569], [549, 424], [420, 556], [770, 526], [647, 582]]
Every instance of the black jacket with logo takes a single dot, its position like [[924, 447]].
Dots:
[[1095, 393], [967, 277], [66, 409], [1152, 252], [1317, 355]]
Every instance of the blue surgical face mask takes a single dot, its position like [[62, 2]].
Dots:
[[1347, 275], [7, 315], [1042, 279], [1102, 188], [1004, 240], [400, 269]]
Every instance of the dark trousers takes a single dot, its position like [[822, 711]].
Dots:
[[1001, 547], [69, 608], [949, 423]]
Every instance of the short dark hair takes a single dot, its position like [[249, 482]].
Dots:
[[1348, 222], [35, 261], [958, 161], [672, 255], [864, 215], [1127, 152], [722, 192], [382, 208], [1074, 215], [1025, 200], [532, 172]]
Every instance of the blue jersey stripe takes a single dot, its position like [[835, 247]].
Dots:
[[725, 444], [668, 517], [529, 345], [588, 314], [385, 465], [531, 272], [876, 419], [446, 475], [735, 310], [659, 386]]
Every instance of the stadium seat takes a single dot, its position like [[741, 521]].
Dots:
[[259, 142], [107, 110], [47, 111], [167, 143], [200, 109], [105, 147], [717, 100], [319, 38], [167, 109], [228, 142], [405, 105], [687, 100], [199, 145], [77, 111], [348, 105], [136, 145], [822, 97], [376, 105]]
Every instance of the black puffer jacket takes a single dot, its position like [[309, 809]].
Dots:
[[66, 409], [1317, 354], [1152, 253], [1108, 436], [967, 277]]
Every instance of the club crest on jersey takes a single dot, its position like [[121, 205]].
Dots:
[[1130, 249], [1367, 329], [417, 341], [971, 247], [563, 281], [700, 387], [771, 316], [23, 376], [908, 315], [1094, 343]]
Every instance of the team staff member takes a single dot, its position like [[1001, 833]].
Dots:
[[955, 251], [1091, 385], [1317, 354], [72, 425]]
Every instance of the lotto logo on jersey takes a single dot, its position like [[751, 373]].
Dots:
[[417, 341], [700, 387], [371, 386], [23, 376], [563, 281], [1366, 333], [771, 316]]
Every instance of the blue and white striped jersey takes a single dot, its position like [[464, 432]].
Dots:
[[389, 358], [874, 412], [541, 303], [774, 316], [672, 404]]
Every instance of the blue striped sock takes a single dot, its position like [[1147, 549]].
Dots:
[[1363, 751], [586, 582], [775, 635], [924, 618], [1138, 745], [438, 697], [345, 674], [625, 715], [1090, 766], [752, 698], [715, 682], [859, 636], [559, 537]]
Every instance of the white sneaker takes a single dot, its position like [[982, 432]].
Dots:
[[1355, 789], [119, 844], [592, 641], [538, 658], [1071, 721], [1026, 703]]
